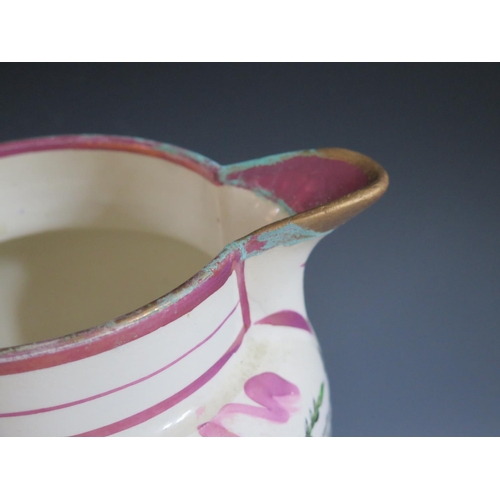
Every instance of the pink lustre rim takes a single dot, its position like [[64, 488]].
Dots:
[[147, 319]]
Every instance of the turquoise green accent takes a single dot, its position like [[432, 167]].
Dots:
[[286, 236], [267, 160], [195, 156]]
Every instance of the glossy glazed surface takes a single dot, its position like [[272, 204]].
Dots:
[[230, 352]]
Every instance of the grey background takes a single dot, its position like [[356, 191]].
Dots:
[[404, 298]]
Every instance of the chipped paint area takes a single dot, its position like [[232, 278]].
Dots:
[[287, 235], [241, 250]]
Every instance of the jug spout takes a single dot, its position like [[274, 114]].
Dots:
[[319, 189]]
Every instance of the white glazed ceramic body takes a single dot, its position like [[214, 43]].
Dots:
[[228, 353]]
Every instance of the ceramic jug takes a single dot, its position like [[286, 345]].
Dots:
[[230, 351]]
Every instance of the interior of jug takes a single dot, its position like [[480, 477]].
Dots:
[[89, 235]]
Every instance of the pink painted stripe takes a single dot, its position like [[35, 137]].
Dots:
[[242, 290], [164, 405], [135, 382]]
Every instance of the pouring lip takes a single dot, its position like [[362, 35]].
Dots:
[[328, 216], [150, 317]]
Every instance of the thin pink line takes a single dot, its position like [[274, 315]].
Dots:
[[164, 405], [91, 398], [242, 289]]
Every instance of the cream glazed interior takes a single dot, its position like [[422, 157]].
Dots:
[[155, 224], [230, 350]]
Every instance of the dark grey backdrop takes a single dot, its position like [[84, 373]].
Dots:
[[405, 298]]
